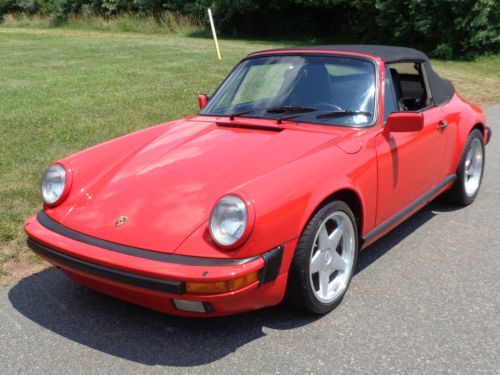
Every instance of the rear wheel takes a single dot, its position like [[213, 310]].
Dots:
[[470, 171], [324, 260]]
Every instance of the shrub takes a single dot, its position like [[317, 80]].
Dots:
[[8, 6], [446, 28]]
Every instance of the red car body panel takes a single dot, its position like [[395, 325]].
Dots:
[[167, 178], [191, 153]]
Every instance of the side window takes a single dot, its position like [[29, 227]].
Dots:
[[410, 87], [389, 99]]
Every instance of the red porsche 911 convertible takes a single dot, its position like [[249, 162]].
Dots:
[[300, 159]]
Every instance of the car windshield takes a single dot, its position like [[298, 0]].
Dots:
[[316, 89]]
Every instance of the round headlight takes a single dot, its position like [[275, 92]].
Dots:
[[53, 183], [228, 220]]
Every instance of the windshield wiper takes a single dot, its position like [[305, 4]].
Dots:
[[238, 114], [290, 108], [342, 113], [299, 111], [279, 109], [323, 114]]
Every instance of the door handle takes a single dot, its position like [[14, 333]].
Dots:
[[442, 124]]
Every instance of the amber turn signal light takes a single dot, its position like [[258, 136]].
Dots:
[[222, 286]]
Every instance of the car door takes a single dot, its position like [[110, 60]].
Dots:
[[448, 129], [409, 163]]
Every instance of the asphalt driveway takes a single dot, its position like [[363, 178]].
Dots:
[[425, 299]]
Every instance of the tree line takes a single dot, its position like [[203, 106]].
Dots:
[[442, 28]]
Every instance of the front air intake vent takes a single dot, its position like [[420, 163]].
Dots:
[[272, 264]]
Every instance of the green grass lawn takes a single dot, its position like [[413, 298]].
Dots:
[[63, 90]]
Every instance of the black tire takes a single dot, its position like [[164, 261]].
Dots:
[[299, 293], [457, 194]]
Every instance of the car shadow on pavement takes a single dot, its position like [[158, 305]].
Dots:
[[389, 241], [144, 336]]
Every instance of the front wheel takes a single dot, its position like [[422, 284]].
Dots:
[[324, 260], [470, 171]]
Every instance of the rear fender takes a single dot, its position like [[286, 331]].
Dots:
[[469, 117]]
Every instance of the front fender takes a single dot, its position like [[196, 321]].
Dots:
[[93, 164], [287, 197]]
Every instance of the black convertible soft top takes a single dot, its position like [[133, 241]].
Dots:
[[442, 89], [387, 54]]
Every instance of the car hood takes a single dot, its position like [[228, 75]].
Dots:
[[167, 188]]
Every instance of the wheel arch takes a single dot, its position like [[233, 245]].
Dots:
[[297, 294], [479, 126], [463, 134], [350, 197]]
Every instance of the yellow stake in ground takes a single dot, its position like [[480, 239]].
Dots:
[[214, 34]]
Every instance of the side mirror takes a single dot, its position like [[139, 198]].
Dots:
[[404, 122], [202, 100]]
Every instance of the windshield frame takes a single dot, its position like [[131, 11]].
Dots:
[[376, 101]]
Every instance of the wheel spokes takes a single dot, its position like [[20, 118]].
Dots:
[[324, 282], [473, 167], [330, 241], [470, 163], [469, 157], [323, 239], [316, 262], [332, 254], [338, 263], [336, 236]]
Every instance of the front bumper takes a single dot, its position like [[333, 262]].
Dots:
[[153, 279]]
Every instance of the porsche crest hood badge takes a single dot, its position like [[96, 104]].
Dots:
[[120, 221]]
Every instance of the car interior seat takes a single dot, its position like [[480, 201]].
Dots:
[[397, 88], [312, 86]]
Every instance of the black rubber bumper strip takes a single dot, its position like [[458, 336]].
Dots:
[[272, 264], [70, 262], [405, 212], [58, 228]]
